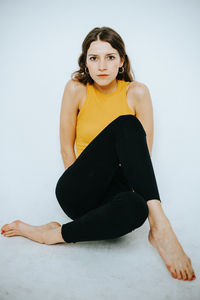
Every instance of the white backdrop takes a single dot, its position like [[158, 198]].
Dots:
[[40, 45]]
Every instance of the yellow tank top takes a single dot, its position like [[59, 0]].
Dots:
[[98, 111]]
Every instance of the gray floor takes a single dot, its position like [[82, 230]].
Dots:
[[124, 268]]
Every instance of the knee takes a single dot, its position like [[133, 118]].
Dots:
[[62, 190], [64, 201], [68, 197], [130, 122], [59, 189]]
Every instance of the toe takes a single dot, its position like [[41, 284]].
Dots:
[[179, 277], [8, 227], [173, 272], [3, 227], [191, 276], [10, 230], [10, 233], [7, 231], [13, 225], [190, 272], [184, 274]]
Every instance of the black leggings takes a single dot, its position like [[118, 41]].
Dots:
[[97, 193]]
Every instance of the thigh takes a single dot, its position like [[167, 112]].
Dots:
[[85, 182]]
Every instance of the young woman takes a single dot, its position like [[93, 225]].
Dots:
[[109, 187]]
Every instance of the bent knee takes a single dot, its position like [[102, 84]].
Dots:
[[131, 122], [63, 190]]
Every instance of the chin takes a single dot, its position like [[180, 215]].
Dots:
[[104, 81]]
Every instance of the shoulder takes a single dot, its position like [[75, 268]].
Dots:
[[74, 92], [140, 95], [140, 98], [75, 86], [138, 89]]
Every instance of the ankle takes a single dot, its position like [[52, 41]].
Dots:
[[160, 226], [156, 216]]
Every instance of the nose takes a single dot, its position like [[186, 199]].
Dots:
[[102, 65]]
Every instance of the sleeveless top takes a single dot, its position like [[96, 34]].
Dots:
[[98, 111]]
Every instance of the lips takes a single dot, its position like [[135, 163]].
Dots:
[[102, 75]]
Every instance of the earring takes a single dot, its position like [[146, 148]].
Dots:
[[121, 71], [86, 70]]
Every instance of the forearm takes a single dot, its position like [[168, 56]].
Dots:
[[68, 158]]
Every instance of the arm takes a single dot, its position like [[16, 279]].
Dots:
[[68, 116], [68, 158], [144, 112]]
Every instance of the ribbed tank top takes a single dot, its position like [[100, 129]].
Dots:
[[98, 111]]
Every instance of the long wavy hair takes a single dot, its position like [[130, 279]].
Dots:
[[109, 35]]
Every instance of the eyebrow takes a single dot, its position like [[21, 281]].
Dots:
[[97, 54]]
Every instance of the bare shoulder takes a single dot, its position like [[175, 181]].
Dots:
[[138, 96], [137, 89], [78, 90], [75, 86]]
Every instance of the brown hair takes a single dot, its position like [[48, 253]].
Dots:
[[109, 35]]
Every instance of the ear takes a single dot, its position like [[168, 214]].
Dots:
[[122, 61]]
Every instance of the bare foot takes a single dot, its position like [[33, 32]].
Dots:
[[169, 248], [35, 233]]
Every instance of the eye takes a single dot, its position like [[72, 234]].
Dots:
[[111, 56], [91, 58]]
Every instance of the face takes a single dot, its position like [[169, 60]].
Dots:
[[102, 58]]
